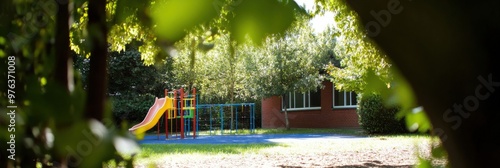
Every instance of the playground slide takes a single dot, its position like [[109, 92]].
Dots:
[[154, 114]]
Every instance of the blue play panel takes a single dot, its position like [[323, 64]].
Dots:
[[242, 139]]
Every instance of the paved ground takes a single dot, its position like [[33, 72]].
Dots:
[[242, 139]]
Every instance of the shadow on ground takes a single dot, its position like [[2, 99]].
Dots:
[[243, 139], [368, 164]]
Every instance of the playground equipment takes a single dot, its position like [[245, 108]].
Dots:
[[153, 115], [186, 111], [213, 117], [176, 106], [182, 113]]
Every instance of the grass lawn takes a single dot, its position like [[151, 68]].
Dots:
[[347, 131], [378, 151]]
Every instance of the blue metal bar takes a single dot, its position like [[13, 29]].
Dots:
[[212, 107], [197, 122], [221, 120], [237, 118], [179, 109], [188, 126], [252, 118], [210, 121]]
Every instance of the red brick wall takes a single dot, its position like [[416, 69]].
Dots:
[[326, 117]]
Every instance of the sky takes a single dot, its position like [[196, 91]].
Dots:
[[319, 23]]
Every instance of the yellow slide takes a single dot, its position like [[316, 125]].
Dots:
[[154, 114]]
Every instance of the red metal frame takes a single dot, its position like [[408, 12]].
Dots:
[[194, 113], [181, 108], [166, 114], [182, 113]]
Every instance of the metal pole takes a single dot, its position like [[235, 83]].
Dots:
[[176, 107], [182, 113], [197, 118], [210, 114], [194, 113], [158, 130], [236, 131], [252, 117], [187, 127], [221, 120], [166, 115]]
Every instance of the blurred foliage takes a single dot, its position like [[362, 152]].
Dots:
[[261, 18], [174, 17], [49, 127]]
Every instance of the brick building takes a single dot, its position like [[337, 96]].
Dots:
[[326, 108]]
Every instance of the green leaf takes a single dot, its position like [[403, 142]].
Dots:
[[68, 137], [174, 17], [57, 102], [402, 92], [126, 146], [439, 152], [100, 142], [127, 8], [375, 85], [417, 120], [423, 163], [2, 40], [78, 99], [259, 18], [2, 53]]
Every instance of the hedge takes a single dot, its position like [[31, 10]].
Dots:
[[376, 118]]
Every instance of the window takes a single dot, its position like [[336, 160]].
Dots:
[[343, 99], [302, 101]]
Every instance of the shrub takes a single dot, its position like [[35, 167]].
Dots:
[[376, 118], [131, 107]]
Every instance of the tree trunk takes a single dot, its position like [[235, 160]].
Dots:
[[97, 86], [232, 56], [446, 51], [287, 124], [192, 62], [63, 71], [63, 61]]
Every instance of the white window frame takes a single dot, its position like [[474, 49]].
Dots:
[[345, 102], [289, 108]]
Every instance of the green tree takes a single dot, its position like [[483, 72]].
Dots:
[[189, 58], [288, 63], [218, 73], [359, 57]]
